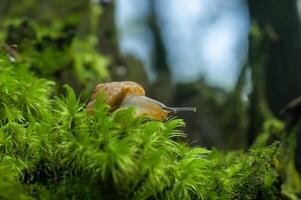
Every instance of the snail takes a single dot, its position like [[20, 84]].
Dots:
[[127, 94]]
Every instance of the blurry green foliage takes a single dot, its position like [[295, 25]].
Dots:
[[58, 39], [273, 129]]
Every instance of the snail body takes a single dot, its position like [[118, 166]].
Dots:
[[145, 106], [127, 94]]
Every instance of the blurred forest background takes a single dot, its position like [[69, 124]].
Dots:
[[237, 61]]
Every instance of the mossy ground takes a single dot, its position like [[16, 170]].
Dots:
[[51, 148]]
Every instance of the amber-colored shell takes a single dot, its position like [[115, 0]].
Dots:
[[115, 92]]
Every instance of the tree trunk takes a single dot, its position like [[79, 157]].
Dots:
[[280, 19]]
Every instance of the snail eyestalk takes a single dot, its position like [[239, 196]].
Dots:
[[181, 109]]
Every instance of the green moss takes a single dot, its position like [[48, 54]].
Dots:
[[51, 148]]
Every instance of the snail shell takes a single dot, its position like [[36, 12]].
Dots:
[[127, 94]]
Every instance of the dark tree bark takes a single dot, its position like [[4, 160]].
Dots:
[[259, 110], [122, 67], [280, 19], [161, 88], [281, 24]]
